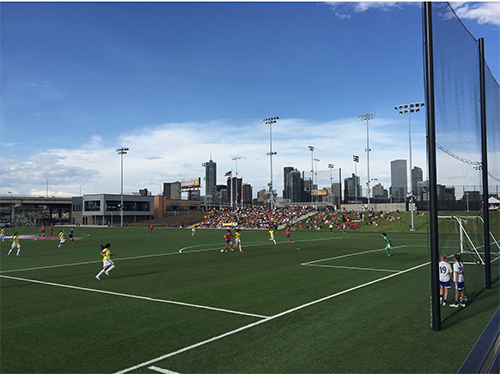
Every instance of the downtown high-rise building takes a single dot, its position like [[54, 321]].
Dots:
[[399, 180], [210, 177]]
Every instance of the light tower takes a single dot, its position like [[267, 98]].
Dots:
[[269, 121], [367, 117], [121, 151], [404, 109]]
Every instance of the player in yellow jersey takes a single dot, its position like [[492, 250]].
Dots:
[[62, 238], [271, 236], [15, 244], [237, 239], [107, 263], [2, 234]]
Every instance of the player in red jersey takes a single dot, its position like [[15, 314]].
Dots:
[[287, 233], [228, 239]]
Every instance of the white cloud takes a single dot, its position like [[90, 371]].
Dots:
[[173, 151], [487, 12]]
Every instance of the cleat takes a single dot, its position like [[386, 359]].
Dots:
[[96, 277], [106, 273], [18, 255], [388, 255], [454, 305], [463, 305], [241, 250], [444, 304]]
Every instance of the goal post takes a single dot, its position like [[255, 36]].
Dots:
[[464, 235]]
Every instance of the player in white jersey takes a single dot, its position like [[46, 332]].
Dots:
[[444, 279], [459, 280]]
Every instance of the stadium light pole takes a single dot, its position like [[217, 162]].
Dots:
[[11, 209], [47, 194], [236, 190], [269, 121], [356, 161], [311, 148], [409, 109], [367, 117], [331, 166], [316, 174], [121, 151]]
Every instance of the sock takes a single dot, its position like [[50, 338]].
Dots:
[[8, 254], [100, 273], [18, 251], [110, 268]]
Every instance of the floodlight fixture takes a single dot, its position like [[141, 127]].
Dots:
[[269, 121], [408, 109], [367, 117]]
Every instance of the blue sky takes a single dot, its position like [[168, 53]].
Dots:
[[180, 82]]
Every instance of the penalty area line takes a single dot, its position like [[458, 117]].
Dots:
[[199, 344], [353, 268], [349, 255]]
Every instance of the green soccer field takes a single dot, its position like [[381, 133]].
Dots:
[[329, 302]]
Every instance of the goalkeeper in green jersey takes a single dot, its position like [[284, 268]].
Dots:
[[387, 244]]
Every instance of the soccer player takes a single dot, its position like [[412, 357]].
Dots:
[[62, 238], [2, 234], [271, 235], [287, 233], [51, 228], [151, 229], [387, 244], [458, 279], [238, 238], [42, 229], [444, 279], [227, 237], [15, 244], [193, 230], [107, 263], [71, 235]]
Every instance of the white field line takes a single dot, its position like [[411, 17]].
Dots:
[[160, 370], [244, 245], [354, 268], [160, 358], [143, 256], [349, 255], [89, 262], [134, 296]]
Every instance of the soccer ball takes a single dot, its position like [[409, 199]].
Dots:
[[222, 250], [466, 299]]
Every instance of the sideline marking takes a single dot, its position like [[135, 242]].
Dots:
[[90, 262], [160, 370], [264, 320], [134, 296]]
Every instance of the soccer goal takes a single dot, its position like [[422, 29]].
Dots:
[[464, 235]]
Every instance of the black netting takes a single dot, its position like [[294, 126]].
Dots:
[[457, 95]]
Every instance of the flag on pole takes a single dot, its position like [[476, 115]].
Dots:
[[228, 174]]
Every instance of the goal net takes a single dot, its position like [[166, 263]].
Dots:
[[465, 235]]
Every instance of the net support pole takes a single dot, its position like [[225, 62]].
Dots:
[[431, 150], [484, 164]]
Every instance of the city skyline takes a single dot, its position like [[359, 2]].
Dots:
[[180, 83]]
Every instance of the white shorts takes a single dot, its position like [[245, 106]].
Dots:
[[237, 241], [16, 246], [62, 240], [107, 263]]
